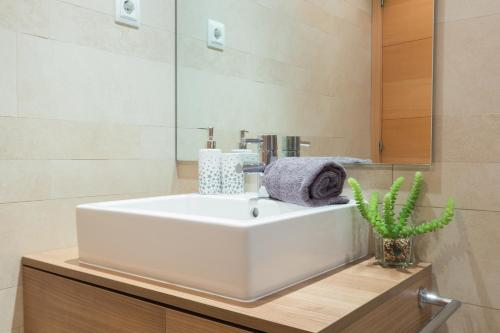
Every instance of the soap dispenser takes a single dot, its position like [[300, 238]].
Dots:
[[209, 166]]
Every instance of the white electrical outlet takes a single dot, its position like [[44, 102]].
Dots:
[[216, 37], [128, 12]]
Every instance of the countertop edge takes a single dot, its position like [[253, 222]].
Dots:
[[64, 269]]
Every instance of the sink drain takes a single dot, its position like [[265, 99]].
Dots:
[[254, 212]]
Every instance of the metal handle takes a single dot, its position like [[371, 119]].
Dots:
[[449, 306]]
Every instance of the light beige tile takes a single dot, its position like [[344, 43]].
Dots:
[[78, 25], [64, 81], [80, 178], [466, 67], [473, 185], [464, 255], [28, 138], [470, 318], [467, 138], [156, 13], [8, 78], [452, 10], [31, 227], [24, 180], [372, 178], [11, 309], [26, 16], [186, 180]]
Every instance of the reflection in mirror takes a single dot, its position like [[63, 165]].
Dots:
[[403, 34], [293, 68]]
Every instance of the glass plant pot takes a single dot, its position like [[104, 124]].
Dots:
[[394, 252]]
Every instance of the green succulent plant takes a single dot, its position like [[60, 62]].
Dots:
[[386, 224]]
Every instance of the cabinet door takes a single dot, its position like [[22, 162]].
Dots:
[[53, 304], [180, 322]]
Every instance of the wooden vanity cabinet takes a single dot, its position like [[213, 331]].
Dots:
[[54, 304], [62, 296]]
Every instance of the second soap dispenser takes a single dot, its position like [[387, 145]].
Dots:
[[209, 166]]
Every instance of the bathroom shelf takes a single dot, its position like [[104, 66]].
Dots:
[[358, 297]]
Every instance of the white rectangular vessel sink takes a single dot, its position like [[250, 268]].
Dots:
[[231, 246]]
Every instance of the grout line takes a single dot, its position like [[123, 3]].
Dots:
[[92, 122], [467, 18], [101, 49], [111, 15], [456, 208], [86, 196], [482, 306]]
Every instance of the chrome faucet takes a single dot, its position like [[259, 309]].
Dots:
[[292, 145], [268, 152]]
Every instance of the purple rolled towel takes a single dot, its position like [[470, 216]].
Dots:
[[306, 181]]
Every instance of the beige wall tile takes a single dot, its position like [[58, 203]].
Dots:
[[8, 94], [63, 81], [30, 227], [464, 256], [467, 138], [26, 16], [80, 178], [473, 185], [372, 178], [28, 138], [11, 308], [467, 69], [156, 13], [96, 118], [78, 25], [470, 318], [452, 10], [24, 180]]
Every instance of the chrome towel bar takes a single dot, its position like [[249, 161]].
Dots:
[[449, 306]]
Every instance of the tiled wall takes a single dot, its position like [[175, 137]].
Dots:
[[466, 144], [290, 67], [86, 114], [467, 162], [90, 137]]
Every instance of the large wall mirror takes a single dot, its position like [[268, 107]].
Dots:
[[351, 77]]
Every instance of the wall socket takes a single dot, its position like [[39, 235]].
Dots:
[[128, 12], [216, 38]]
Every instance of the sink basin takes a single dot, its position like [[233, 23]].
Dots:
[[232, 246]]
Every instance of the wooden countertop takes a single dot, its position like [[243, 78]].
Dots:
[[329, 302]]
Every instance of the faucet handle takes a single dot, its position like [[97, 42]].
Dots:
[[291, 145]]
